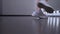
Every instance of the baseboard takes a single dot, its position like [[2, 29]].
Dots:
[[15, 15]]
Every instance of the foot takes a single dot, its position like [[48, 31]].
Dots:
[[39, 15], [45, 6]]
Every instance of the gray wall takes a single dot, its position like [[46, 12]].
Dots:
[[18, 7], [55, 4], [0, 7]]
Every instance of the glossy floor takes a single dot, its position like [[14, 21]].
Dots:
[[29, 25]]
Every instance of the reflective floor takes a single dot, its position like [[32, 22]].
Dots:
[[29, 25]]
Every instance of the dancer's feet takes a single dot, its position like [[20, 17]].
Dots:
[[45, 6], [38, 15]]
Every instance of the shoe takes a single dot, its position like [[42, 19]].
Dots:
[[38, 15], [35, 14], [47, 7]]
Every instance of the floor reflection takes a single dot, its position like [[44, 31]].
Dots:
[[40, 26], [46, 26], [0, 24], [53, 25]]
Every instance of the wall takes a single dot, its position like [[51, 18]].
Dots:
[[0, 7], [18, 7], [55, 4]]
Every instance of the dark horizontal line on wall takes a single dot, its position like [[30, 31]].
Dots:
[[15, 15], [24, 15]]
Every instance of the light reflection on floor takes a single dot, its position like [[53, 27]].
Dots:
[[53, 24], [47, 26]]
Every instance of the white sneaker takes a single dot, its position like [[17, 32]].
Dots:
[[35, 14], [38, 15], [46, 6]]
